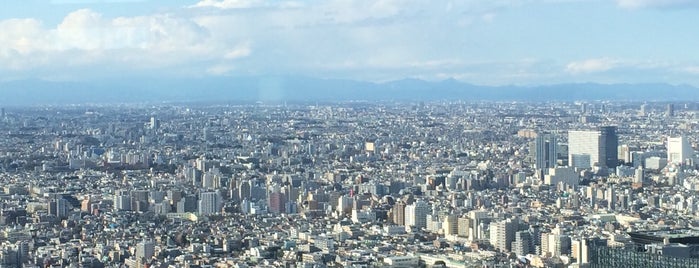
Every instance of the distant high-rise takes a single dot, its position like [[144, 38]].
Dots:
[[502, 234], [522, 243], [209, 203], [679, 150], [545, 151], [416, 214], [154, 123], [644, 110], [593, 148], [670, 110], [59, 207], [611, 145], [145, 251], [399, 213]]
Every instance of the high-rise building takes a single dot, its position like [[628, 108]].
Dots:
[[187, 204], [502, 234], [209, 203], [59, 207], [276, 200], [670, 110], [593, 148], [644, 110], [122, 201], [399, 213], [479, 220], [154, 123], [450, 225], [610, 139], [679, 150], [145, 251], [416, 214], [610, 195], [464, 225], [545, 151], [522, 243], [553, 244]]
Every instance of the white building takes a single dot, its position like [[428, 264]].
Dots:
[[679, 150], [566, 175], [600, 145], [416, 214], [401, 261]]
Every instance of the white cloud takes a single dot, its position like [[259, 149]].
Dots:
[[228, 4], [86, 38], [635, 4], [592, 65], [220, 69], [241, 51], [690, 70]]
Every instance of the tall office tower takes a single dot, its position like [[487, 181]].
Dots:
[[244, 189], [593, 148], [611, 197], [209, 203], [416, 214], [644, 110], [545, 151], [154, 123], [638, 175], [624, 153], [399, 213], [678, 150], [610, 140], [276, 200], [344, 204], [670, 110], [502, 234]]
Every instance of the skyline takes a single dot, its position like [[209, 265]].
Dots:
[[529, 43]]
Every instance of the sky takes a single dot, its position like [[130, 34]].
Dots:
[[485, 42]]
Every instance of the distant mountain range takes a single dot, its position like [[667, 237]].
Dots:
[[279, 88]]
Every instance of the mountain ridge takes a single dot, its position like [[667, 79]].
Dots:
[[296, 88]]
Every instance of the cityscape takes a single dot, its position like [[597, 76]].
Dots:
[[351, 184]]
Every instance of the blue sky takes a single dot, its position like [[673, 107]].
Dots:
[[488, 42]]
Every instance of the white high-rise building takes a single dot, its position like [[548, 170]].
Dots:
[[679, 150], [601, 146], [502, 234], [583, 143], [416, 214]]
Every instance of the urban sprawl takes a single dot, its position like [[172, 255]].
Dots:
[[350, 184]]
